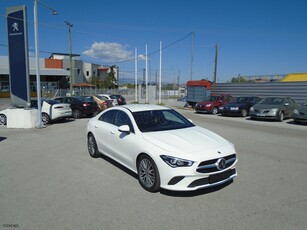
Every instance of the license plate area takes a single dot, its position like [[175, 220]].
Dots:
[[260, 115], [221, 176]]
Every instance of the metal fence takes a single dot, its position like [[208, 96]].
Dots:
[[295, 90]]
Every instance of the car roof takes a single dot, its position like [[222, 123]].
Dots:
[[143, 107]]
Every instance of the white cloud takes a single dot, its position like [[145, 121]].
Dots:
[[109, 52], [141, 57]]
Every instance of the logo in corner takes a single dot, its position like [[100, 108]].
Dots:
[[15, 27]]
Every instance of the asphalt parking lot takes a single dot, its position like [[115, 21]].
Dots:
[[48, 181]]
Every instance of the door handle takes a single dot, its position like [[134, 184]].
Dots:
[[112, 132]]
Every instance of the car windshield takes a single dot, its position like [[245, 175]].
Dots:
[[53, 102], [85, 99], [212, 98], [160, 120], [271, 101], [240, 99], [114, 96]]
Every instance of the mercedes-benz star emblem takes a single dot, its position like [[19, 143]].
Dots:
[[221, 163]]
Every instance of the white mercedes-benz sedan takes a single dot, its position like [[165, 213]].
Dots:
[[162, 147]]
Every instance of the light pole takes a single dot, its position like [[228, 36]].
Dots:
[[38, 81], [69, 25]]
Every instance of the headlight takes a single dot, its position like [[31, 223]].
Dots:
[[176, 162], [275, 110], [208, 105], [296, 112], [252, 109]]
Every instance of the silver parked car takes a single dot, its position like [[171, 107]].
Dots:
[[276, 108]]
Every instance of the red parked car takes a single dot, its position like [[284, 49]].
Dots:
[[213, 103]]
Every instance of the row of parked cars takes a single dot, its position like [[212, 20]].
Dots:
[[61, 108], [271, 108]]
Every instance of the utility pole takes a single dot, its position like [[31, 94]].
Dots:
[[192, 54], [215, 68], [69, 25]]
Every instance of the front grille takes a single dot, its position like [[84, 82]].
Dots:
[[211, 165], [212, 179]]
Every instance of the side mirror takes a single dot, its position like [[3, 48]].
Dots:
[[124, 128]]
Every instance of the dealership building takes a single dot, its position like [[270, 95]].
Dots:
[[55, 72]]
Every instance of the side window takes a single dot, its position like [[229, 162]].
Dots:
[[122, 118], [108, 116]]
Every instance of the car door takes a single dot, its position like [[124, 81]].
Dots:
[[291, 106], [102, 131], [123, 144]]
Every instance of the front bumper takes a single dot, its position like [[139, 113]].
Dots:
[[264, 115], [203, 109], [231, 112], [199, 177]]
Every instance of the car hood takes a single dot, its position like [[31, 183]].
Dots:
[[259, 106], [206, 102], [235, 104], [302, 109], [188, 140]]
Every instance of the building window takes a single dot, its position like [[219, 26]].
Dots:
[[87, 73]]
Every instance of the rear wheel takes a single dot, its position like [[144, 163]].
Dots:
[[76, 113], [45, 118], [243, 113], [2, 119], [148, 174], [92, 146]]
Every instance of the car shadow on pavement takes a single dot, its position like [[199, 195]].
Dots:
[[297, 124], [119, 166], [196, 192], [2, 138]]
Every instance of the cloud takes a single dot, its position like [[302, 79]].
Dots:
[[109, 52]]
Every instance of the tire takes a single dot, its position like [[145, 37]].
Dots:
[[92, 146], [243, 113], [2, 119], [76, 113], [215, 110], [45, 118], [281, 116], [148, 174]]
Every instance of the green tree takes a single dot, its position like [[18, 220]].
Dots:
[[95, 81], [110, 81], [238, 80]]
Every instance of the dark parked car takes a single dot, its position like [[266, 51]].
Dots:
[[212, 104], [120, 99], [239, 106], [300, 114], [81, 106], [276, 108]]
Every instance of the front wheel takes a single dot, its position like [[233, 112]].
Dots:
[[281, 116], [148, 174], [215, 110]]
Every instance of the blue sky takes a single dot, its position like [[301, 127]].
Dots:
[[254, 37]]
